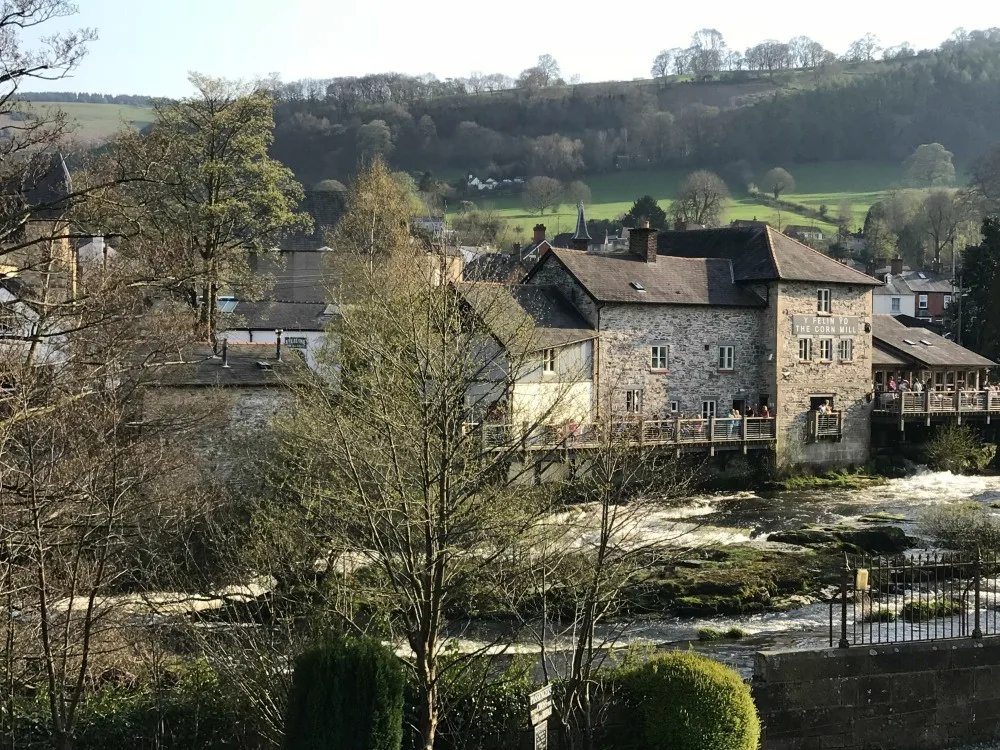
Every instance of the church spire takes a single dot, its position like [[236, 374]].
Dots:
[[581, 237]]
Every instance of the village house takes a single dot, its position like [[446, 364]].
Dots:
[[894, 298], [804, 233], [923, 294], [300, 325]]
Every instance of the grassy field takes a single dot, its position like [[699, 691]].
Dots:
[[98, 122], [828, 183]]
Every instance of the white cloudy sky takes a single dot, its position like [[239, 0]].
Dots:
[[147, 46]]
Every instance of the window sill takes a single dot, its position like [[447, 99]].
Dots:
[[821, 314], [847, 361], [655, 371], [726, 372]]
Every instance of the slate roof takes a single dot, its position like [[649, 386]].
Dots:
[[668, 281], [892, 336], [197, 367], [894, 287], [555, 322], [270, 314], [761, 254], [932, 282], [496, 267], [885, 358]]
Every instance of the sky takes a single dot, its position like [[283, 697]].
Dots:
[[149, 46]]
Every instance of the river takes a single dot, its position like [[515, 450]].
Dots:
[[748, 518]]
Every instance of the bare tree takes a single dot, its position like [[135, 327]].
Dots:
[[592, 553], [863, 49], [541, 193], [413, 497], [943, 215], [662, 64], [778, 181], [700, 199]]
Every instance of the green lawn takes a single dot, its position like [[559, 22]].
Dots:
[[816, 184], [96, 122]]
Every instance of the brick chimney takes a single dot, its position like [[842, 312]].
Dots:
[[539, 233], [642, 242], [896, 266]]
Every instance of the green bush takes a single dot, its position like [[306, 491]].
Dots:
[[879, 615], [347, 693], [962, 526], [684, 701], [958, 449]]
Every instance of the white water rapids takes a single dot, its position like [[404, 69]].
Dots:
[[748, 518]]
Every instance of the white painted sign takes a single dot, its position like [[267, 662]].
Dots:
[[825, 325]]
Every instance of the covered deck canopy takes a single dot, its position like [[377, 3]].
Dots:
[[912, 354]]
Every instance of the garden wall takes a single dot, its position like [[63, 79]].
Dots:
[[905, 696]]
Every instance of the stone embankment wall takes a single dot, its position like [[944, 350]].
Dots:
[[906, 696]]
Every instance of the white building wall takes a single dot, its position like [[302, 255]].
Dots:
[[882, 304]]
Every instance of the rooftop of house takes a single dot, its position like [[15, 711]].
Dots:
[[249, 366], [497, 267], [539, 310], [920, 346], [894, 287], [271, 314], [922, 282], [670, 280], [761, 254], [802, 228]]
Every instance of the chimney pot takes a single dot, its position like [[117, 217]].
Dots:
[[539, 233]]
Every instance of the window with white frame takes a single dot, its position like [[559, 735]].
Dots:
[[726, 357], [823, 300], [846, 353], [947, 301], [707, 409], [549, 360], [675, 407], [805, 350], [896, 301], [922, 301], [826, 349], [659, 358], [633, 400]]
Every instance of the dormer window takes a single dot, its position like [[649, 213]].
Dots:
[[823, 301]]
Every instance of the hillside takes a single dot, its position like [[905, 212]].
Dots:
[[98, 122], [829, 184], [837, 111]]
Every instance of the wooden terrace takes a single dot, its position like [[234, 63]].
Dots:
[[712, 434], [928, 406]]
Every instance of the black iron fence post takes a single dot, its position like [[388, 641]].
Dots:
[[844, 582], [977, 574]]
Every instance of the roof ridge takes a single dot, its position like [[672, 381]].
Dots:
[[770, 249], [813, 250]]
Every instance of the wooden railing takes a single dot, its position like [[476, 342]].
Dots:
[[710, 432], [829, 425], [938, 402]]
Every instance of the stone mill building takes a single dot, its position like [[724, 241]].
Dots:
[[700, 322]]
